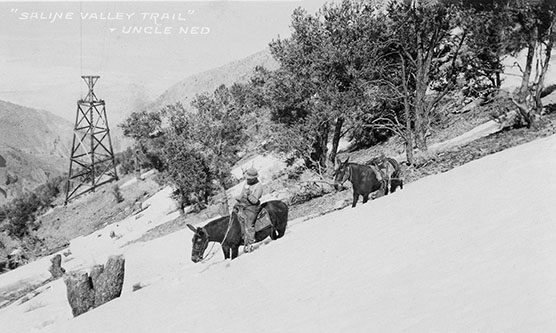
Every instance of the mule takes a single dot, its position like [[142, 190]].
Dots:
[[227, 231], [391, 170], [364, 179]]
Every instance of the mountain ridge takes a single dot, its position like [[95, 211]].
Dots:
[[237, 71], [36, 132], [36, 146]]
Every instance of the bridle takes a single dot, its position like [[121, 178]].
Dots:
[[200, 247], [349, 174], [196, 250]]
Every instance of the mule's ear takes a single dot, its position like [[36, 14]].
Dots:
[[192, 228]]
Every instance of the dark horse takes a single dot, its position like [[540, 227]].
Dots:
[[390, 168], [364, 179], [231, 239]]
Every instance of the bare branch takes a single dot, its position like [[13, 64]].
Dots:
[[389, 124], [439, 97], [518, 66]]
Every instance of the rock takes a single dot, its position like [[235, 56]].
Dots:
[[80, 293], [109, 281], [103, 284], [56, 268]]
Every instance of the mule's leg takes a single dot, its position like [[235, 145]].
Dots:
[[365, 198], [226, 250], [386, 187], [234, 252], [279, 232], [394, 186], [355, 198]]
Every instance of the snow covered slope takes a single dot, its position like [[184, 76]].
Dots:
[[472, 249]]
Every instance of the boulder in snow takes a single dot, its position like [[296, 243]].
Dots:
[[103, 284]]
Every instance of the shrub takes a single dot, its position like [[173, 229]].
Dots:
[[189, 171], [117, 193], [19, 214], [48, 191], [126, 161]]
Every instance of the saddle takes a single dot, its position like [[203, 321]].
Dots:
[[381, 176], [263, 220]]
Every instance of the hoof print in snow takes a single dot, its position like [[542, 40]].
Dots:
[[103, 284]]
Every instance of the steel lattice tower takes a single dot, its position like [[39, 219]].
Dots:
[[92, 161]]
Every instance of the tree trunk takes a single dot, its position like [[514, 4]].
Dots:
[[225, 206], [422, 82], [136, 165], [325, 129], [409, 148], [336, 139], [320, 146], [103, 284], [544, 68], [420, 115], [407, 115], [524, 89]]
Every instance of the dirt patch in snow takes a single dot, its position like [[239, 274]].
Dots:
[[91, 212]]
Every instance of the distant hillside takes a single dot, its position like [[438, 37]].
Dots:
[[237, 71], [35, 144], [34, 131], [24, 171]]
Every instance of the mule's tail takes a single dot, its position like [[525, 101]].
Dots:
[[278, 212]]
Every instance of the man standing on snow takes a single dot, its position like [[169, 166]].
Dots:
[[247, 207]]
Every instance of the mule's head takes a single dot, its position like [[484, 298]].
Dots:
[[341, 174], [200, 242]]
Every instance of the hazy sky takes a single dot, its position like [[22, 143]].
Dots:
[[138, 48]]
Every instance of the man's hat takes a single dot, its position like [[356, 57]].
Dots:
[[251, 173]]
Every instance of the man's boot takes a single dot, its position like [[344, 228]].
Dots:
[[249, 239]]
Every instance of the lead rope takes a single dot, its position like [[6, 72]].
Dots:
[[213, 243]]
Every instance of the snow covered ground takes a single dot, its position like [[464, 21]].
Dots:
[[473, 249], [513, 71]]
